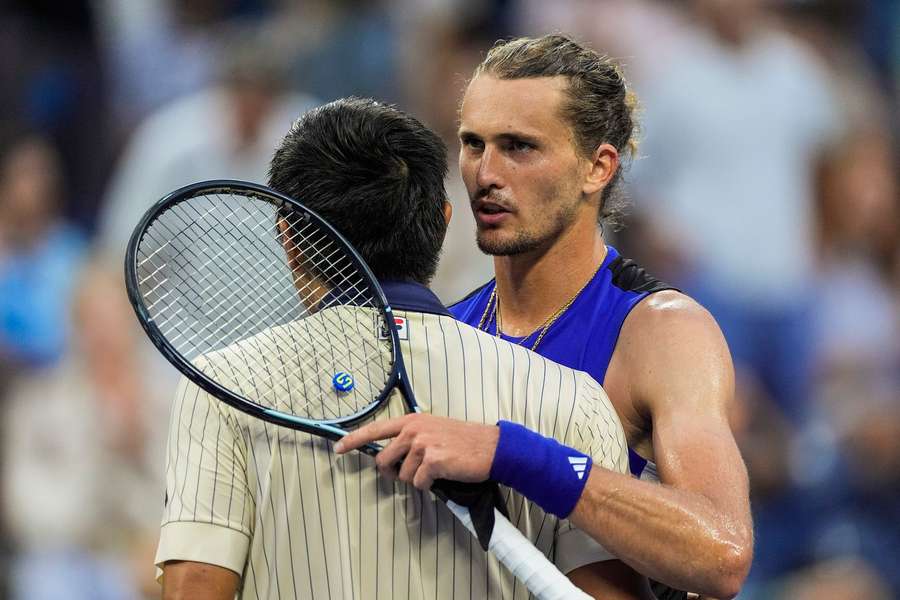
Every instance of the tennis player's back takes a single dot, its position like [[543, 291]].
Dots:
[[317, 525]]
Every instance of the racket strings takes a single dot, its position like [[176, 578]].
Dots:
[[272, 314], [213, 289], [253, 317], [304, 363], [208, 286]]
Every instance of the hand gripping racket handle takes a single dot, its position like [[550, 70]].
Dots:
[[523, 559]]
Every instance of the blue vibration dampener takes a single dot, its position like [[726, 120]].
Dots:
[[342, 381]]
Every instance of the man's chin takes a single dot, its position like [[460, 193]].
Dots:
[[496, 245]]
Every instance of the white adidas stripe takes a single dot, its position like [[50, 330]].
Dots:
[[579, 465]]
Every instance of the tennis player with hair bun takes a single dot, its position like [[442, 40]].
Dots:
[[263, 511], [544, 126]]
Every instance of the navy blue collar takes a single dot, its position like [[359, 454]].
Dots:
[[413, 297]]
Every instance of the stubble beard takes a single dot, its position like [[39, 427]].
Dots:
[[525, 241]]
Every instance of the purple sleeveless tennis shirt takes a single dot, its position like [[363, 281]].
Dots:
[[585, 335]]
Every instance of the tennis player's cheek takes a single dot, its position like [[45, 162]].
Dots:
[[546, 200]]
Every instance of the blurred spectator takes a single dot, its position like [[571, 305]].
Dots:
[[157, 51], [858, 357], [51, 79], [228, 131], [859, 216], [869, 28], [341, 48], [39, 253], [860, 234], [83, 452], [735, 128], [643, 35]]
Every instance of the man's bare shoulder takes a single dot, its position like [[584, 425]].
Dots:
[[670, 342], [668, 303], [667, 317]]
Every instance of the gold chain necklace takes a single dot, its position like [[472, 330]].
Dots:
[[493, 307]]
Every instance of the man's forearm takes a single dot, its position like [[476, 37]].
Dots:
[[187, 580], [671, 535], [675, 536]]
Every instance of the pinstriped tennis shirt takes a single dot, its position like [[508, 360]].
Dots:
[[296, 520]]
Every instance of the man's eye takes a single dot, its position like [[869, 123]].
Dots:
[[473, 143], [517, 146]]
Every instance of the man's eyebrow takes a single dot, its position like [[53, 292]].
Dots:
[[506, 136], [518, 136]]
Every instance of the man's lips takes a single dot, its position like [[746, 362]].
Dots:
[[490, 213]]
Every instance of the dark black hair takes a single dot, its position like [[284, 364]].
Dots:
[[377, 175]]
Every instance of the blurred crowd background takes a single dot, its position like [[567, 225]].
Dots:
[[766, 186]]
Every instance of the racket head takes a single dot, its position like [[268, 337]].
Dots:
[[222, 266]]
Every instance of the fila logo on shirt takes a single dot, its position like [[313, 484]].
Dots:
[[579, 465], [402, 331]]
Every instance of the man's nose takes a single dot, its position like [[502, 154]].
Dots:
[[488, 175]]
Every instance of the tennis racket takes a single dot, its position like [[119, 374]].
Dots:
[[222, 273]]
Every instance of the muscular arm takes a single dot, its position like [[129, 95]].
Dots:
[[183, 580], [693, 532]]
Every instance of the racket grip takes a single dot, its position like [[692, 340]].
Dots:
[[523, 559]]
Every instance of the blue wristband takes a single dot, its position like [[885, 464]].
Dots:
[[546, 472]]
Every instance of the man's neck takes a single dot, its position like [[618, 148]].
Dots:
[[531, 287]]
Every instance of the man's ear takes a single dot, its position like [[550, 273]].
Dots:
[[290, 248], [448, 212], [604, 163]]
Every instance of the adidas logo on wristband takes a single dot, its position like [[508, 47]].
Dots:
[[579, 465], [535, 466]]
